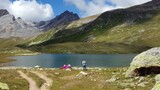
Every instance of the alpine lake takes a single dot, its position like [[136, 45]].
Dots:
[[58, 60]]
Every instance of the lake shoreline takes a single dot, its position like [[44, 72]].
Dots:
[[58, 60], [5, 57], [43, 68]]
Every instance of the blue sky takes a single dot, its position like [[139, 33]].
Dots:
[[42, 10], [60, 6]]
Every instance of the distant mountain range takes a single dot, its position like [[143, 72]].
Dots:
[[16, 27], [129, 30], [12, 27], [59, 21]]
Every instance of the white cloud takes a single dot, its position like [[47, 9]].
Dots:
[[5, 4], [128, 3], [91, 7], [29, 10]]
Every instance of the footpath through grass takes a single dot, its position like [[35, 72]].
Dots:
[[96, 79]]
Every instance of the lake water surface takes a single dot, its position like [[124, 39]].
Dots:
[[57, 60]]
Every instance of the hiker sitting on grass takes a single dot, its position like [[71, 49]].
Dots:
[[66, 66]]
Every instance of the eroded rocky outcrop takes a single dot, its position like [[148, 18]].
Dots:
[[17, 27], [12, 27], [146, 63], [3, 12]]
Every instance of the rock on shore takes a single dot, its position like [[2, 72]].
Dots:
[[146, 63]]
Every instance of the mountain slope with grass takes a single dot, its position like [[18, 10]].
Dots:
[[15, 31], [70, 28], [136, 27]]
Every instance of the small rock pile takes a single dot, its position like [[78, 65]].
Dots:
[[4, 86]]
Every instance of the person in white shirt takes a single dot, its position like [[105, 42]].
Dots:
[[84, 65]]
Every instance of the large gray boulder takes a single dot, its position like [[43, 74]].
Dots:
[[146, 63]]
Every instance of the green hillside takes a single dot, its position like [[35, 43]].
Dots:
[[9, 46], [41, 38], [87, 48], [144, 33], [130, 30]]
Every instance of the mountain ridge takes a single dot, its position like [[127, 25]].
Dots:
[[129, 30], [16, 27], [121, 15], [15, 31], [126, 27], [59, 21]]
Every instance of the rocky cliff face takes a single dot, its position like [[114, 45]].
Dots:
[[3, 12], [59, 22], [12, 27]]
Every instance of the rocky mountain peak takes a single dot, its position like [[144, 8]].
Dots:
[[67, 12], [71, 14], [3, 12], [12, 27], [59, 21], [68, 16]]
